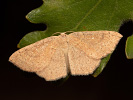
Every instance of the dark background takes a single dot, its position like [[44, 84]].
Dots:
[[115, 82]]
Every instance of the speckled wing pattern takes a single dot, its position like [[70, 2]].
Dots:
[[54, 57], [57, 67], [86, 49], [45, 57], [36, 56]]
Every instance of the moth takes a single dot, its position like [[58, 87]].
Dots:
[[78, 53]]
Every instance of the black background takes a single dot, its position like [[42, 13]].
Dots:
[[115, 82]]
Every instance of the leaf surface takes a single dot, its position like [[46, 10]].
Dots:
[[129, 47], [78, 15]]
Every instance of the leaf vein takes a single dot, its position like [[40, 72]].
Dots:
[[89, 12]]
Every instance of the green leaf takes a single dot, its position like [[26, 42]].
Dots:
[[129, 47], [31, 38], [78, 15], [101, 66]]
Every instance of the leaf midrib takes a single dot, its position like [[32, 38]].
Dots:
[[89, 12]]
